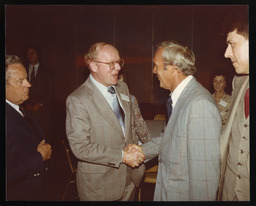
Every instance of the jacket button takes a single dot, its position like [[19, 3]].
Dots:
[[238, 176], [245, 125], [241, 151]]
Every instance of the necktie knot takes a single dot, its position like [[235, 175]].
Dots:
[[111, 90]]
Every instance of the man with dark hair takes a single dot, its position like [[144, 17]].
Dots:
[[41, 92], [26, 149], [235, 140]]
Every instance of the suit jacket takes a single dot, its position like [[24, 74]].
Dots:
[[96, 139], [26, 171], [189, 159], [237, 130], [42, 91]]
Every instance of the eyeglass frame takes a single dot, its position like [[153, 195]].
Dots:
[[112, 64]]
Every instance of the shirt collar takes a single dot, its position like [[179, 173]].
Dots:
[[36, 66], [177, 91], [103, 89], [15, 106]]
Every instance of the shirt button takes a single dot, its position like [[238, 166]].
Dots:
[[241, 151]]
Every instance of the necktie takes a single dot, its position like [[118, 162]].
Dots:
[[116, 107], [22, 111], [246, 104], [169, 107], [28, 119], [32, 76]]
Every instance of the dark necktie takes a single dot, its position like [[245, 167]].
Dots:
[[246, 104], [28, 119], [169, 107], [116, 107], [32, 76]]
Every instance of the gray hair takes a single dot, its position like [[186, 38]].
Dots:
[[9, 60], [93, 52], [179, 55]]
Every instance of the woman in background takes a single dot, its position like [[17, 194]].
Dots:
[[221, 97]]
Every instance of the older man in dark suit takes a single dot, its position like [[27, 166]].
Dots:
[[26, 149]]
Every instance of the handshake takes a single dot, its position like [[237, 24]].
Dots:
[[133, 155]]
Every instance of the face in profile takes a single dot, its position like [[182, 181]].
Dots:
[[162, 74], [17, 86], [238, 52], [219, 83]]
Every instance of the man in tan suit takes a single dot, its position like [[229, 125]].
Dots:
[[234, 142], [98, 136]]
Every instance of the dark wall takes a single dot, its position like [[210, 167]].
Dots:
[[65, 33]]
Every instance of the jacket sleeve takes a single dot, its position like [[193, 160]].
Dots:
[[81, 140]]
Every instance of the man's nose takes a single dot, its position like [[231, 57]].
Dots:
[[228, 52], [27, 84], [154, 70]]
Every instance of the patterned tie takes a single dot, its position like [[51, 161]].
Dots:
[[246, 103], [116, 107], [169, 107], [32, 76]]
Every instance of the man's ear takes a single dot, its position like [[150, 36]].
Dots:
[[93, 66], [171, 67]]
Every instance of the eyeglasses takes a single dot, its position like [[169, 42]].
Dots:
[[113, 64]]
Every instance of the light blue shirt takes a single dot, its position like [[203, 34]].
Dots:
[[108, 96]]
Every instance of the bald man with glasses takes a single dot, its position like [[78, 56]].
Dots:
[[99, 125]]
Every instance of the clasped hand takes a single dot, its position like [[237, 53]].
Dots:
[[133, 155]]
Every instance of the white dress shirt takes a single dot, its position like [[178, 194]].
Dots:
[[177, 91]]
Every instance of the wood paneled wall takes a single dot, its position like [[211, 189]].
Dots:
[[65, 32]]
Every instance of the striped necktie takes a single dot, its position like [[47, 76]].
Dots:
[[116, 107]]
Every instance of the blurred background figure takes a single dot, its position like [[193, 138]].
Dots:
[[142, 133], [222, 99], [41, 91]]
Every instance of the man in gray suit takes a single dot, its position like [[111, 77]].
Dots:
[[188, 151], [98, 133], [235, 139]]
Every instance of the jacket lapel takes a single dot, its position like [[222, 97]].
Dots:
[[179, 107], [104, 108]]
